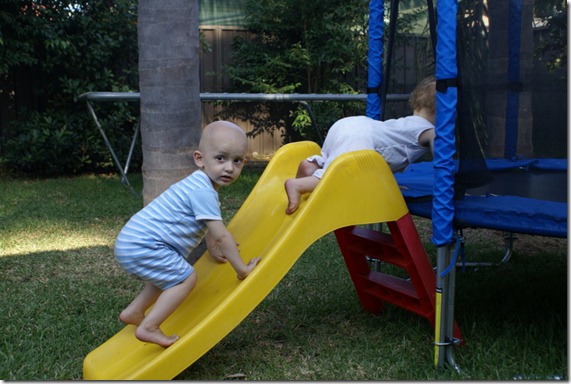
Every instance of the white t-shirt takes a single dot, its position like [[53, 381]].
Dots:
[[396, 140]]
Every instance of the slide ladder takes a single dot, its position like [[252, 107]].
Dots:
[[402, 248]]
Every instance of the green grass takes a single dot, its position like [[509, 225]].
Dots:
[[62, 293]]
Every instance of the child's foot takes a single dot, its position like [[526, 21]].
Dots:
[[293, 196], [131, 317], [155, 336]]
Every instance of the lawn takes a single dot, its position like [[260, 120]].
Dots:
[[62, 292]]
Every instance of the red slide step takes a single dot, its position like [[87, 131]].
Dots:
[[401, 248]]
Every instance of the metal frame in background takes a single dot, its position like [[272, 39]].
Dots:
[[302, 99]]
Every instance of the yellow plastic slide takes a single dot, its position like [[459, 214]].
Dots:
[[358, 188]]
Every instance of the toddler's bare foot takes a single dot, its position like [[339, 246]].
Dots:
[[293, 196], [131, 317], [155, 336]]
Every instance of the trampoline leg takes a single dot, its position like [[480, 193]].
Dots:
[[122, 171], [444, 311], [509, 238]]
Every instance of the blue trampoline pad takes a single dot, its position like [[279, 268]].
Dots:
[[527, 196]]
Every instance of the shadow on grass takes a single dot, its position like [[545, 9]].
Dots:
[[56, 307], [59, 305], [312, 327]]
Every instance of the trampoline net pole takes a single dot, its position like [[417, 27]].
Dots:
[[444, 309]]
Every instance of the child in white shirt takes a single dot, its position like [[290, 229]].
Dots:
[[399, 141]]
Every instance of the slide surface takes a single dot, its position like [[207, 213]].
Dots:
[[358, 188]]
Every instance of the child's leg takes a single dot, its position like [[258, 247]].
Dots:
[[166, 303], [135, 312], [306, 168], [297, 187]]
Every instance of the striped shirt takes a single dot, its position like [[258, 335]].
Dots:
[[174, 221]]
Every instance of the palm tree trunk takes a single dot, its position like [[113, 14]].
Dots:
[[170, 91]]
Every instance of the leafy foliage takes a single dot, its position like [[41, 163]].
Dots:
[[51, 52], [300, 47], [553, 49]]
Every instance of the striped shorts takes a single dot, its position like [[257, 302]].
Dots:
[[154, 262]]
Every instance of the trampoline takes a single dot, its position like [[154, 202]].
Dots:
[[528, 197], [485, 173]]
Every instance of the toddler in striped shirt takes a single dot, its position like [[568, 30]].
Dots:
[[156, 241]]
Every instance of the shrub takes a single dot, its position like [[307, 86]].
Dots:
[[59, 50]]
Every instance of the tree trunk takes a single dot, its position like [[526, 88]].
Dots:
[[170, 91]]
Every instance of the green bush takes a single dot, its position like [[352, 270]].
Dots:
[[299, 47], [60, 143], [57, 51], [43, 145]]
